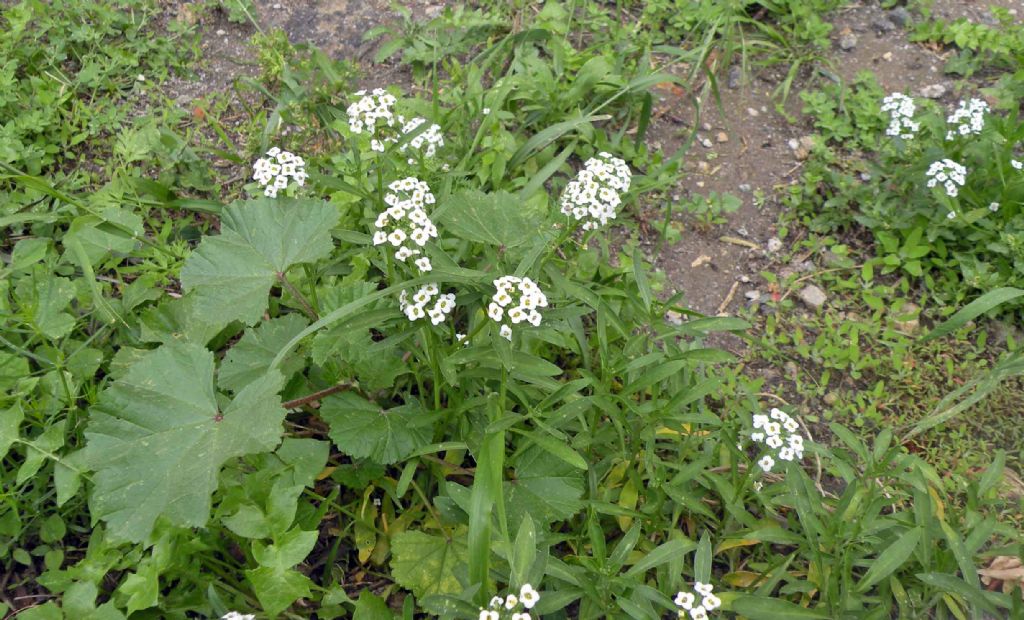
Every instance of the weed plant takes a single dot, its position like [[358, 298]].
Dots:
[[406, 369]]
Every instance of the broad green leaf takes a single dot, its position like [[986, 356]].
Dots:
[[498, 218], [546, 487], [362, 429], [12, 369], [278, 589], [43, 299], [179, 320], [370, 607], [426, 564], [46, 611], [891, 559], [112, 230], [232, 272], [157, 439], [39, 449], [10, 420], [250, 358], [762, 608]]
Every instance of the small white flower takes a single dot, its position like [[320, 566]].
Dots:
[[703, 589], [489, 615], [380, 237], [234, 615], [486, 111], [951, 215], [698, 613], [511, 601], [528, 596], [506, 332], [773, 441], [711, 602], [791, 426], [993, 207], [766, 463], [423, 264], [772, 428], [496, 602], [787, 453], [521, 616], [495, 311], [685, 599], [1019, 165]]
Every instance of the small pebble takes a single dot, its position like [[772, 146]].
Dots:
[[752, 294], [221, 32], [752, 112], [705, 143], [745, 279], [722, 137], [774, 245], [847, 42]]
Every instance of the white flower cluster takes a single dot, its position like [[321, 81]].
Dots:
[[364, 114], [968, 119], [528, 597], [594, 195], [416, 307], [951, 174], [406, 220], [234, 615], [427, 141], [517, 300], [273, 170], [779, 432], [687, 602], [901, 113]]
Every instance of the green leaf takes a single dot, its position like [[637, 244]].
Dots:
[[179, 320], [276, 589], [760, 608], [157, 439], [10, 420], [979, 306], [498, 219], [891, 559], [112, 230], [427, 564], [660, 555], [250, 358], [362, 429], [545, 487], [232, 272], [43, 298], [370, 607], [12, 369]]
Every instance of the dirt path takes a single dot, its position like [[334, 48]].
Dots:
[[744, 148]]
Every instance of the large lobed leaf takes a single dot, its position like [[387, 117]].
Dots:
[[232, 272], [498, 218], [157, 439], [362, 429]]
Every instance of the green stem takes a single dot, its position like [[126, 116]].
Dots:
[[306, 307]]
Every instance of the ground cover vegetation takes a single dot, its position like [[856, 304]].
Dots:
[[396, 350]]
